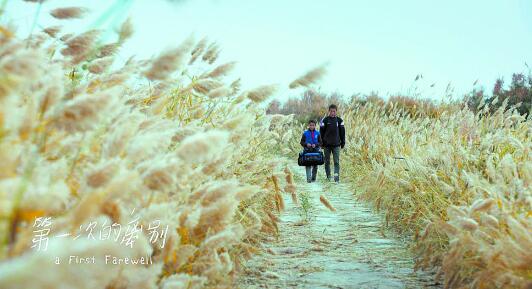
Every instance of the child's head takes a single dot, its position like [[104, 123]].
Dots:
[[332, 110], [312, 124]]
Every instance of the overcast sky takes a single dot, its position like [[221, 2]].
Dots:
[[378, 45]]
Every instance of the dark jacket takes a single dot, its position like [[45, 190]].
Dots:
[[332, 131], [303, 141]]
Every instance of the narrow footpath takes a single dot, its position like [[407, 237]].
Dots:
[[319, 248]]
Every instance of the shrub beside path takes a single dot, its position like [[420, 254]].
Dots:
[[318, 248]]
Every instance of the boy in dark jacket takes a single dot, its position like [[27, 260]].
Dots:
[[333, 134], [311, 142]]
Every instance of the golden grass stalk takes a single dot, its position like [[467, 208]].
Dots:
[[108, 50], [482, 205], [219, 92], [204, 86], [221, 70], [52, 31], [326, 203], [202, 146], [211, 54], [273, 217], [309, 78], [167, 62], [79, 46], [279, 201], [275, 180], [66, 37], [288, 176], [100, 65], [126, 30], [290, 188], [197, 51], [294, 197], [235, 86], [68, 12], [261, 93]]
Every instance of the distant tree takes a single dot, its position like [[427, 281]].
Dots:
[[474, 99], [311, 104], [518, 94], [274, 107]]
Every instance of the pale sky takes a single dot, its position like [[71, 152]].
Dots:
[[378, 45]]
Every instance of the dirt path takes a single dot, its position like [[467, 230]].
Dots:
[[342, 249]]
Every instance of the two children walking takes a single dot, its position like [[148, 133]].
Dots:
[[331, 137]]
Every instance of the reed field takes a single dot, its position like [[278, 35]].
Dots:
[[458, 183], [164, 173], [455, 182], [144, 160]]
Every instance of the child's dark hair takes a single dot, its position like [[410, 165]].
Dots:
[[311, 121], [333, 106]]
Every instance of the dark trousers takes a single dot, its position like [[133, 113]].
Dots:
[[336, 159], [311, 171]]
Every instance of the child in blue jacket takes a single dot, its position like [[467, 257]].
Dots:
[[311, 142]]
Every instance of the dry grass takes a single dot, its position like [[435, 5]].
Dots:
[[309, 78], [68, 12], [92, 145], [326, 203], [460, 184]]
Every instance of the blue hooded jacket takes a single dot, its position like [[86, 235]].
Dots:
[[309, 139]]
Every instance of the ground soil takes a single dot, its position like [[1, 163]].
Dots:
[[318, 248]]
